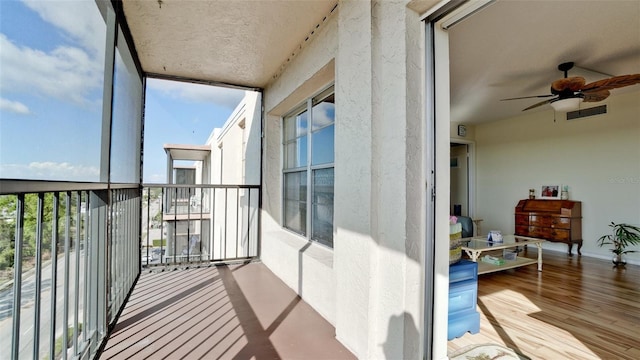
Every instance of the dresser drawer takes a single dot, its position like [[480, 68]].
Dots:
[[463, 271], [561, 223], [560, 235], [462, 297], [540, 232], [541, 220], [522, 219], [550, 233]]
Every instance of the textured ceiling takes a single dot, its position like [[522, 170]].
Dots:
[[240, 42], [513, 48], [509, 49]]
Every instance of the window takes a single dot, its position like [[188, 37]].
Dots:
[[308, 150]]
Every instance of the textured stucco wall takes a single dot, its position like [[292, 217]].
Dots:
[[306, 268], [353, 217], [370, 285]]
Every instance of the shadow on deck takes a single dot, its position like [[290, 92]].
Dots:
[[220, 312]]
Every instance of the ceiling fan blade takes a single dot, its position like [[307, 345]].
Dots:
[[540, 104], [612, 83], [528, 97], [571, 83], [595, 96]]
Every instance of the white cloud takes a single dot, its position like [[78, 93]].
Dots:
[[323, 114], [68, 72], [64, 73], [83, 24], [14, 106], [221, 96], [50, 171]]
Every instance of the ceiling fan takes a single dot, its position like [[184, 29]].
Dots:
[[576, 88]]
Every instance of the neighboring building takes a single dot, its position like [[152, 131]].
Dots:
[[195, 218]]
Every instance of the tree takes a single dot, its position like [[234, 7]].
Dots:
[[8, 206]]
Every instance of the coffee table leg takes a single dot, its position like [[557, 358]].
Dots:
[[473, 254], [539, 245]]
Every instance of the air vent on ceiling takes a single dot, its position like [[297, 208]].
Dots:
[[572, 115]]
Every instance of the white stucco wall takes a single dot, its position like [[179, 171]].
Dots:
[[370, 285], [305, 267], [598, 157], [229, 146], [239, 139]]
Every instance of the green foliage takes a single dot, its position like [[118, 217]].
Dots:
[[59, 342], [8, 206], [159, 242], [7, 230], [623, 236]]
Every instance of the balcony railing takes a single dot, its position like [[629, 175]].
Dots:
[[185, 224], [70, 253], [68, 260]]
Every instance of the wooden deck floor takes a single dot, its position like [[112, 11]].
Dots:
[[220, 312], [576, 308]]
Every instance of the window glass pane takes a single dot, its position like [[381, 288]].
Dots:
[[127, 117], [301, 124], [295, 126], [322, 221], [295, 204], [324, 113], [322, 146], [289, 128], [296, 186], [296, 153], [295, 217]]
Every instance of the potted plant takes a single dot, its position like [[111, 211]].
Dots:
[[623, 235]]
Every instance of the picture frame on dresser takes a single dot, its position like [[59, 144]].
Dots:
[[551, 192]]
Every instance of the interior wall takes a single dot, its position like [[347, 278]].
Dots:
[[598, 158]]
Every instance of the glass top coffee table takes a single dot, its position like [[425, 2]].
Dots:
[[475, 246]]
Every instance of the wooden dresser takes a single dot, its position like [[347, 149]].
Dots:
[[552, 220]]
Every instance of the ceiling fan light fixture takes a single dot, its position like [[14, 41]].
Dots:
[[566, 105]]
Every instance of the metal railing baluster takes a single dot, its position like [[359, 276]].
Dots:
[[248, 222], [17, 277], [226, 210], [38, 274], [161, 225], [175, 227], [76, 302], [188, 224], [86, 279], [237, 218], [54, 273], [213, 223], [67, 264]]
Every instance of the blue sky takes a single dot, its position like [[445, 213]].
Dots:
[[51, 75], [180, 113]]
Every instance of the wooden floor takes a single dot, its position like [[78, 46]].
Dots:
[[576, 308]]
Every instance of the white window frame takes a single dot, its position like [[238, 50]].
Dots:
[[308, 168]]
